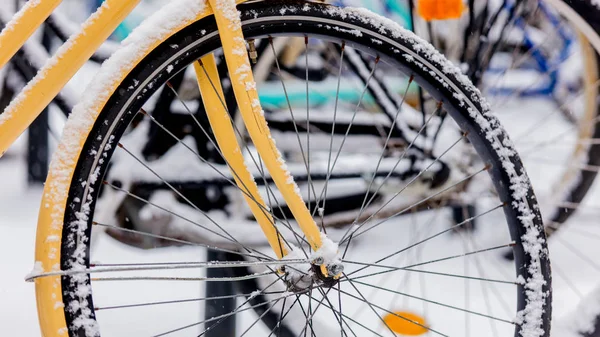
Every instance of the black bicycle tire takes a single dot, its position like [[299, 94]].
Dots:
[[271, 10]]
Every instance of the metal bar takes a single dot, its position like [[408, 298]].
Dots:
[[222, 306]]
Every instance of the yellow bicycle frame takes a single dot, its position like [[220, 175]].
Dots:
[[70, 58]]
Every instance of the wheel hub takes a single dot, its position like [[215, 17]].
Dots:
[[317, 275]]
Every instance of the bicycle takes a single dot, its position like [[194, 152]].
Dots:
[[63, 269]]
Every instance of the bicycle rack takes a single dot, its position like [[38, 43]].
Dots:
[[224, 327], [37, 137]]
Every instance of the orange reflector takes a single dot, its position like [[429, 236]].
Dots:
[[402, 323], [440, 9]]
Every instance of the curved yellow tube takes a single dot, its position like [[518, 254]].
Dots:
[[244, 87], [212, 93]]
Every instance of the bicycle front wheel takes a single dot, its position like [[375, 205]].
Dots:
[[377, 184]]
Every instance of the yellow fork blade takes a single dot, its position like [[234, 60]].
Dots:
[[214, 104], [244, 86]]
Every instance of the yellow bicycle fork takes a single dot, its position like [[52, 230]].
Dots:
[[219, 118], [244, 87]]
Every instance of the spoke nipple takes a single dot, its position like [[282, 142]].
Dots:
[[335, 269], [120, 145], [104, 182], [170, 85], [143, 112], [487, 167], [253, 53], [343, 45], [94, 223]]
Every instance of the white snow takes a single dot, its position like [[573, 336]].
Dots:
[[328, 253]]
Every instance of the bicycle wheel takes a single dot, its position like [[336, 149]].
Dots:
[[372, 178]]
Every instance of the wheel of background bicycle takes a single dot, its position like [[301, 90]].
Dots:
[[577, 180], [561, 156], [91, 301]]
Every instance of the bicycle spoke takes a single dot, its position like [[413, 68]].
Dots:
[[335, 111], [404, 153], [260, 318], [432, 302], [310, 185], [176, 278], [315, 310], [155, 236], [384, 147], [340, 310], [370, 306], [203, 160], [222, 156], [392, 269], [354, 234], [579, 254], [227, 238], [455, 227], [201, 299], [420, 271], [346, 317], [357, 107], [394, 314], [238, 310], [354, 230]]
